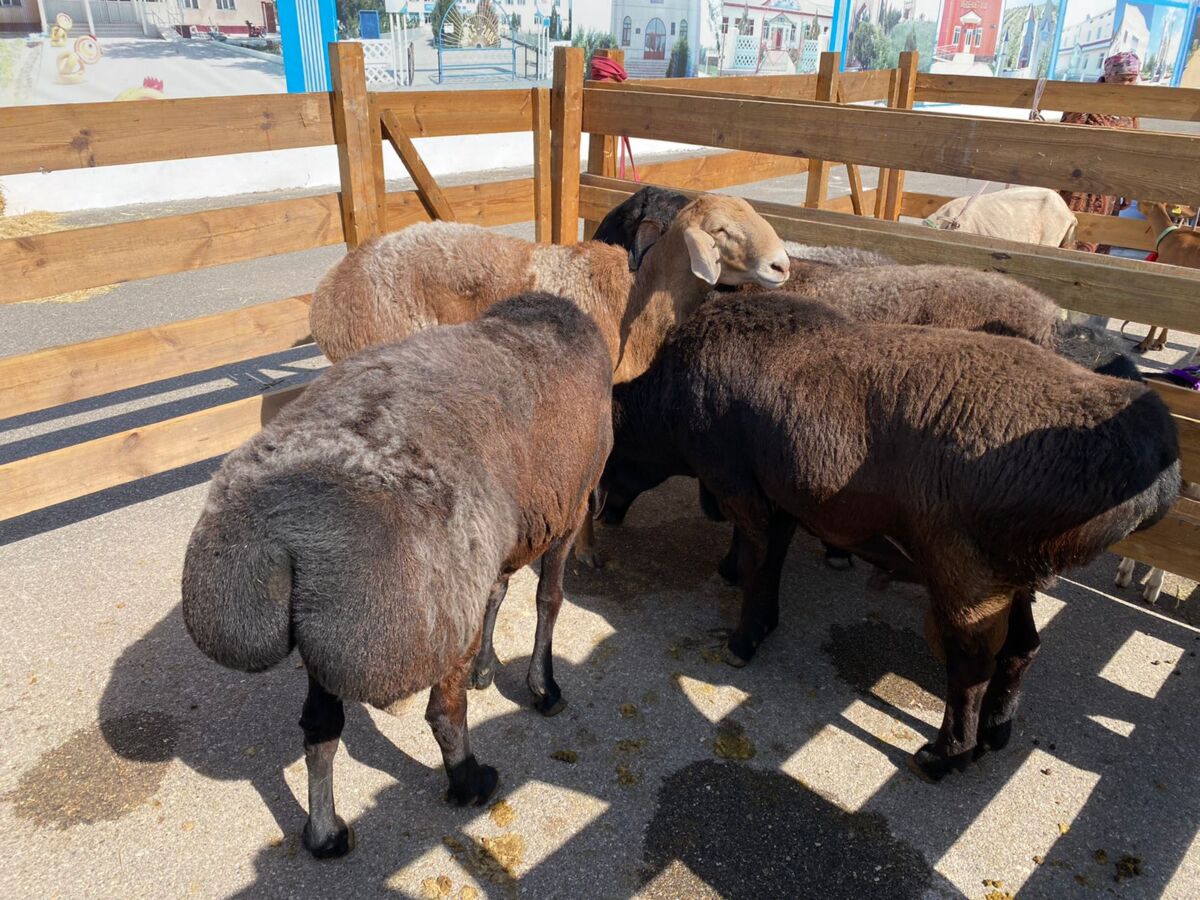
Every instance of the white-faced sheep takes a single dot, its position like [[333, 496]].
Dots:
[[369, 522], [1031, 215], [982, 464]]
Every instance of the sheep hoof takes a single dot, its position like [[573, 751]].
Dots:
[[739, 652], [472, 784], [1123, 579], [483, 676], [838, 562], [930, 767], [728, 570], [993, 737], [550, 705], [331, 846], [590, 558]]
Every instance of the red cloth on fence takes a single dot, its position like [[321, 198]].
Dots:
[[605, 69]]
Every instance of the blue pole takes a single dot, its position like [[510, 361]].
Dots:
[[306, 28]]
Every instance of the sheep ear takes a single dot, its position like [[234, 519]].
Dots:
[[706, 261], [647, 236]]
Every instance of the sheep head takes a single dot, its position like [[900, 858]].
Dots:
[[729, 243]]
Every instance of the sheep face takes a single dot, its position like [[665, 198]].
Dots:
[[729, 243]]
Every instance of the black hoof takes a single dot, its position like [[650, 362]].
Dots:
[[929, 766], [472, 784], [839, 563], [739, 652], [331, 846], [550, 704], [483, 676], [993, 737]]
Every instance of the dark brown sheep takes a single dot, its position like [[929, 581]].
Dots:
[[370, 523], [980, 466]]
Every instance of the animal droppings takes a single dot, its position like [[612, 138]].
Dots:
[[626, 777], [433, 888], [731, 742], [506, 852], [628, 710], [1063, 827], [567, 756], [466, 892], [629, 746], [502, 814], [1127, 867], [1101, 857]]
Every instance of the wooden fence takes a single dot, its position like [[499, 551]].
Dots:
[[768, 126]]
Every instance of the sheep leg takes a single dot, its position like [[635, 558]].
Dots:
[[470, 782], [727, 568], [585, 542], [970, 663], [1124, 572], [1004, 691], [548, 698], [761, 566], [1161, 341], [483, 671], [326, 835]]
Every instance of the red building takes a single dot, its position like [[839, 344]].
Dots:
[[969, 27]]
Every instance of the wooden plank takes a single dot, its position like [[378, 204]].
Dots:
[[1088, 282], [376, 145], [60, 475], [487, 204], [1180, 104], [73, 372], [873, 84], [894, 190], [1112, 230], [602, 148], [706, 172], [541, 165], [893, 97], [845, 204], [427, 187], [45, 264], [858, 198], [82, 135], [566, 109], [817, 188], [790, 86], [1189, 447], [441, 113], [1182, 402], [1096, 160], [1173, 544], [353, 133]]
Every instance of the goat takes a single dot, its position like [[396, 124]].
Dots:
[[979, 465], [1175, 246], [1030, 215], [374, 519]]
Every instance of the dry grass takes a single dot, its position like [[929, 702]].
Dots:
[[42, 223]]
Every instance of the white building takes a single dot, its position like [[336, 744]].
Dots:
[[773, 36], [647, 30], [1084, 47]]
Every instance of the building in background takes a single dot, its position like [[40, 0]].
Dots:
[[647, 30], [968, 36], [1084, 45], [773, 37]]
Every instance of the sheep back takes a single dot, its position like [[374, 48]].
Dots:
[[394, 491]]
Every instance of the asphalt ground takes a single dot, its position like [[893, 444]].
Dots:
[[130, 765]]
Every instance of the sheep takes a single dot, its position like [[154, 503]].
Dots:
[[442, 273], [637, 223], [371, 522], [978, 465], [1030, 215]]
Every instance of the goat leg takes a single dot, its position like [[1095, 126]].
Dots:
[[1161, 341], [483, 671], [1004, 690], [760, 565], [470, 782], [548, 697], [326, 835]]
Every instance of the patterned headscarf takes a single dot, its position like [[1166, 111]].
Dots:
[[1122, 64]]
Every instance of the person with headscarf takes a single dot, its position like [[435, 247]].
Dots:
[[1120, 68]]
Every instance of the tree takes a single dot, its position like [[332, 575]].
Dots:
[[870, 47], [678, 66]]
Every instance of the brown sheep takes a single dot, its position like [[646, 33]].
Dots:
[[977, 465], [372, 521]]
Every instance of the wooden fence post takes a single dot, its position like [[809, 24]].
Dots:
[[542, 182], [566, 116], [353, 132], [602, 148], [906, 94], [827, 89]]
